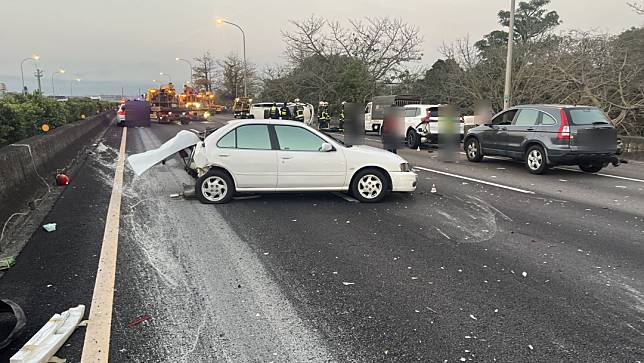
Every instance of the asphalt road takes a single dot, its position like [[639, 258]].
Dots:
[[532, 268]]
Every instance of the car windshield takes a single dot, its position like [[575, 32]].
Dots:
[[587, 116]]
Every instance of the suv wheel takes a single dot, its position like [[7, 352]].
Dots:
[[413, 139], [473, 150], [535, 159], [369, 186], [591, 168], [214, 187]]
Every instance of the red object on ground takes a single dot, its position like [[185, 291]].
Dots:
[[62, 179], [139, 320]]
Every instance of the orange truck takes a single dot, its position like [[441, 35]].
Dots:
[[200, 105], [165, 105]]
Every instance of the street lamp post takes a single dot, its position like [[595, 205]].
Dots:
[[71, 86], [34, 58], [222, 21], [507, 94], [167, 75], [189, 65], [53, 88]]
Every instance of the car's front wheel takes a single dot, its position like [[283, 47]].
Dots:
[[413, 139], [473, 150], [214, 187], [535, 160], [591, 168], [369, 186]]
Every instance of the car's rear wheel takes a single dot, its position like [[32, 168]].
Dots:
[[369, 186], [535, 160], [413, 139], [591, 168], [473, 150], [214, 187]]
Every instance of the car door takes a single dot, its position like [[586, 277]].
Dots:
[[247, 153], [523, 128], [495, 135], [413, 115], [302, 164]]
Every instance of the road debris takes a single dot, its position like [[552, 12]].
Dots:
[[9, 307], [49, 227], [139, 320], [348, 283], [7, 262], [524, 274]]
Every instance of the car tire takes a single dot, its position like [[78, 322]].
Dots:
[[535, 160], [215, 187], [473, 150], [591, 168], [369, 186], [413, 139]]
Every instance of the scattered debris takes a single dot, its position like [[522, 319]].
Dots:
[[10, 307], [48, 340], [7, 262], [473, 317], [175, 195], [139, 320], [348, 283], [530, 346], [62, 179], [101, 147], [49, 227], [524, 274]]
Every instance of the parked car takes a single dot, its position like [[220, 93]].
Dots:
[[421, 125], [547, 135], [120, 115], [282, 156]]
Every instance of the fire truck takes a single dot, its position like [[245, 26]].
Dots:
[[165, 105]]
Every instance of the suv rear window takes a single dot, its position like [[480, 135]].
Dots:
[[586, 116]]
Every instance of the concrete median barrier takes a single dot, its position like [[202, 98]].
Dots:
[[57, 149], [633, 147]]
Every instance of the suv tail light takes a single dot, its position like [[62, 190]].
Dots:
[[564, 129]]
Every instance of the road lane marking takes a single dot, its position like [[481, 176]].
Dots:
[[96, 347], [475, 180], [606, 175]]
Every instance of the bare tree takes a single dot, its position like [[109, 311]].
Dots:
[[204, 72], [384, 45], [637, 7]]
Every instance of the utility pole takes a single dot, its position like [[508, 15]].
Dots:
[[39, 74], [507, 94]]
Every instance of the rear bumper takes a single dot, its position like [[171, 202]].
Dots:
[[403, 181], [576, 158]]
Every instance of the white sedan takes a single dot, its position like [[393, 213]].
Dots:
[[287, 156]]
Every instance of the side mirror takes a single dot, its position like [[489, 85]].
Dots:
[[326, 147]]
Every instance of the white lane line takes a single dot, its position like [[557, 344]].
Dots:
[[96, 347], [606, 175], [475, 180]]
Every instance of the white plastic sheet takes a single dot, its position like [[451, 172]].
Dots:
[[144, 161]]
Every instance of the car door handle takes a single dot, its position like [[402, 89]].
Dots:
[[286, 157], [224, 155], [530, 129]]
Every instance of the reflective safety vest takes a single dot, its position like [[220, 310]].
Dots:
[[273, 110], [283, 111]]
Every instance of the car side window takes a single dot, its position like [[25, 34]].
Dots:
[[412, 111], [229, 141], [526, 117], [294, 138], [253, 137], [547, 119], [505, 118]]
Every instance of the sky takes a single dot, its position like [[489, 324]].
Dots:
[[118, 44]]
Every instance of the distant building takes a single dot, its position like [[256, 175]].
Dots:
[[3, 89]]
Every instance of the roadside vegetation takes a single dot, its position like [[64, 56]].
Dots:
[[21, 116]]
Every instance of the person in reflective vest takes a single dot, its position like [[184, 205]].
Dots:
[[275, 112], [285, 113]]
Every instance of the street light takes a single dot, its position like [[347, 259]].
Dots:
[[221, 22], [71, 86], [167, 75], [34, 58], [53, 89], [507, 94], [189, 65]]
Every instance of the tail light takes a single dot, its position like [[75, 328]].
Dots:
[[564, 129]]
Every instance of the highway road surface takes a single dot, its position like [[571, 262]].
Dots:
[[496, 265]]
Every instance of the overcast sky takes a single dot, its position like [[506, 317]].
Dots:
[[127, 43]]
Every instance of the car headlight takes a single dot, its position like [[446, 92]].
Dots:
[[405, 167]]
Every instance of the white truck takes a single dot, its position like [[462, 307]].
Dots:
[[375, 110], [421, 125]]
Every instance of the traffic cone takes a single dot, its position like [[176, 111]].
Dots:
[[418, 149], [433, 188]]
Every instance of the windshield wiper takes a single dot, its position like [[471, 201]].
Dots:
[[600, 123]]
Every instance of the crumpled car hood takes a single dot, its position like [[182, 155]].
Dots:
[[144, 161]]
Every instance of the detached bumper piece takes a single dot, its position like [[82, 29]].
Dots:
[[11, 312]]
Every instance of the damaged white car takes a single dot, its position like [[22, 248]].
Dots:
[[281, 156]]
